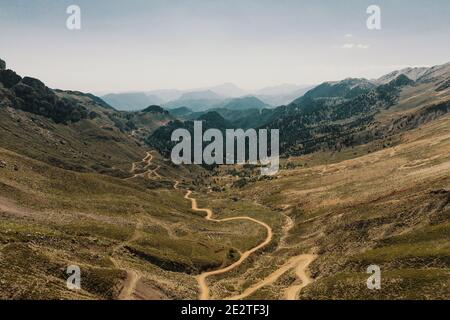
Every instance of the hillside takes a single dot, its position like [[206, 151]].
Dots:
[[364, 179], [412, 73], [181, 112], [353, 112], [161, 138], [52, 218], [243, 103], [355, 208], [69, 129], [79, 191]]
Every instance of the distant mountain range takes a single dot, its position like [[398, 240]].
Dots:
[[243, 103], [205, 98], [196, 100], [331, 115], [132, 101], [203, 105], [282, 94], [228, 90], [339, 114]]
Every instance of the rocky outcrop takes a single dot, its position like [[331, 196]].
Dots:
[[9, 78], [31, 95]]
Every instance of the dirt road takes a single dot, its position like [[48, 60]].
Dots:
[[148, 162], [130, 288], [201, 279], [303, 263], [300, 262], [133, 276]]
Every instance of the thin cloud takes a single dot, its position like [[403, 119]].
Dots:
[[355, 46], [351, 45]]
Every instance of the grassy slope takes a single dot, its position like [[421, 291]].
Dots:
[[389, 208], [354, 208], [52, 217], [89, 145]]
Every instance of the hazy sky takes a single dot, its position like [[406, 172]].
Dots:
[[151, 44]]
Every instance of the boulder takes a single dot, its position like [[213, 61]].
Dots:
[[36, 84], [9, 78], [31, 95]]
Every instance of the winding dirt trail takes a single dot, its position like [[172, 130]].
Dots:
[[148, 162], [148, 159], [133, 276], [129, 285], [129, 288], [300, 262], [155, 172], [201, 279], [303, 263]]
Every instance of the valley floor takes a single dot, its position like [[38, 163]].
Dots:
[[309, 233]]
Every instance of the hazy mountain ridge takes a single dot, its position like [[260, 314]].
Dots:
[[196, 100], [339, 114], [204, 99], [284, 99], [347, 88], [412, 73], [131, 101], [243, 103]]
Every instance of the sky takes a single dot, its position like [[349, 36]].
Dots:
[[142, 45]]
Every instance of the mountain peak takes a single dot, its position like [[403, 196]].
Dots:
[[282, 89], [204, 94], [214, 120], [436, 72], [154, 109], [413, 73], [345, 88], [131, 100], [401, 80], [244, 103], [228, 89]]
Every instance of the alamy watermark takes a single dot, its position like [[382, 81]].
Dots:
[[374, 281], [374, 20], [73, 22], [188, 150], [74, 280]]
